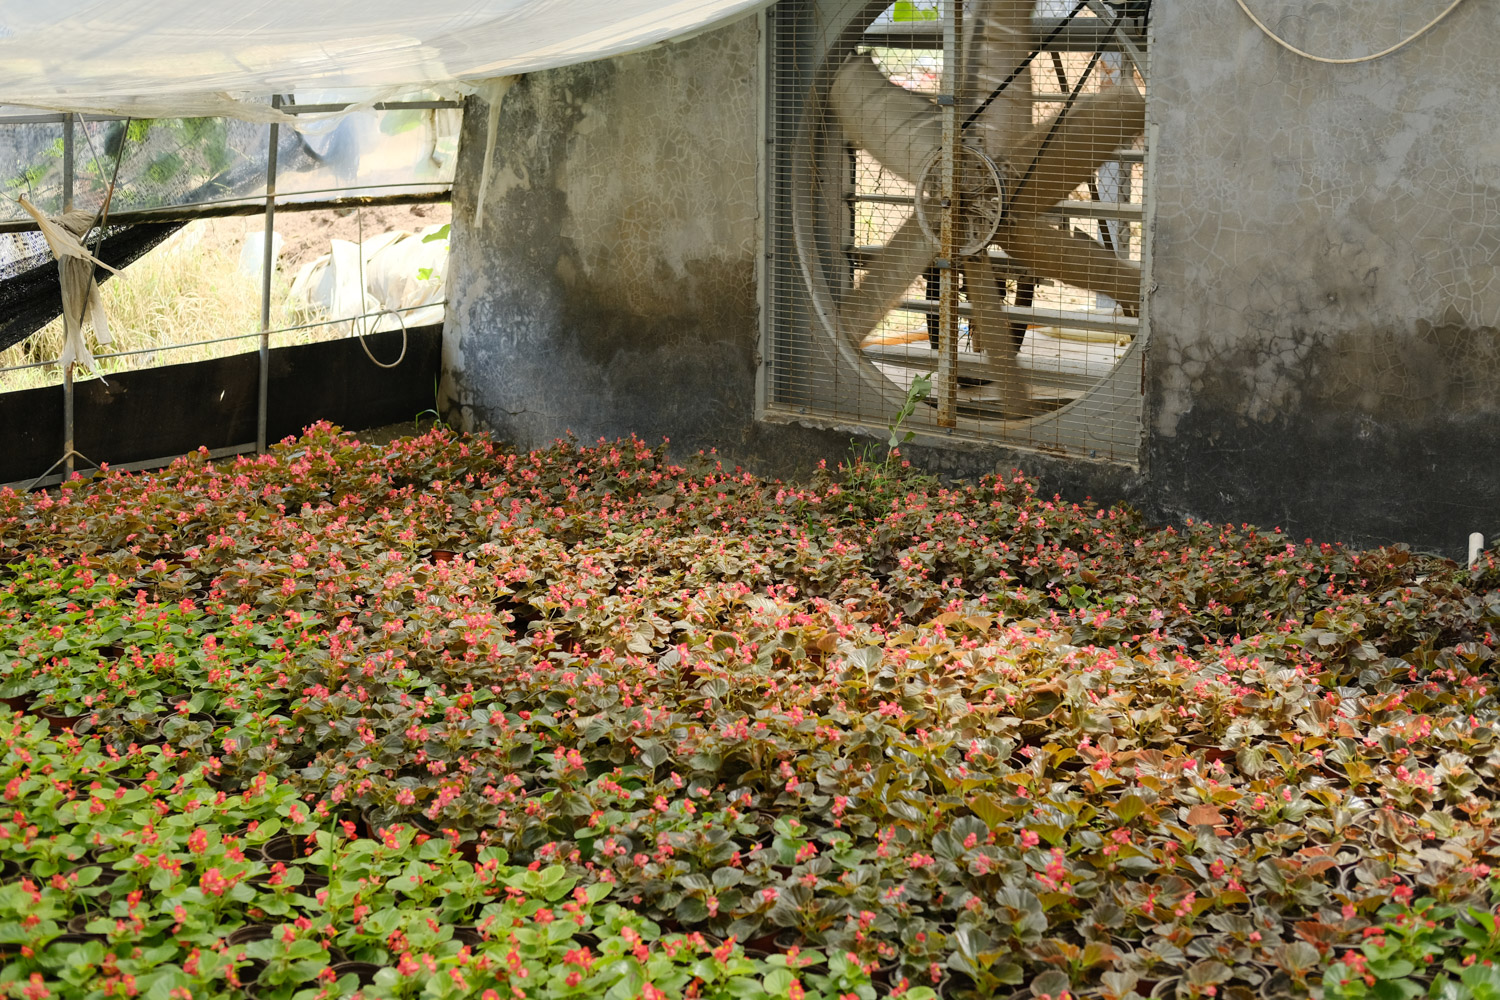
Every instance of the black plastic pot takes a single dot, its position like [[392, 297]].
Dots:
[[74, 939], [18, 703], [248, 933], [311, 883], [79, 924], [62, 722], [468, 934], [287, 849], [202, 718], [107, 872], [364, 970]]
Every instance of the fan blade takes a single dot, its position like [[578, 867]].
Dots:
[[1003, 37], [1074, 259], [992, 336], [1087, 136], [985, 321], [897, 127], [890, 272]]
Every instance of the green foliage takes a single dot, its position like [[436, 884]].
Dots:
[[1423, 950], [915, 10], [920, 389], [966, 739], [426, 273]]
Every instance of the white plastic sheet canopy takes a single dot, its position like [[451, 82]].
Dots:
[[178, 58]]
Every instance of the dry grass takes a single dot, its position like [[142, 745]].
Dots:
[[168, 304]]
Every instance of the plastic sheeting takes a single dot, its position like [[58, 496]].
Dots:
[[161, 58]]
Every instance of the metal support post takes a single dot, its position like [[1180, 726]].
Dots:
[[268, 258], [67, 180], [947, 370], [67, 183]]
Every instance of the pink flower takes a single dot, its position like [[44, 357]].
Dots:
[[214, 883], [1029, 839]]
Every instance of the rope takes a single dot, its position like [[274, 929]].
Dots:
[[363, 296], [1356, 59], [70, 453], [399, 318]]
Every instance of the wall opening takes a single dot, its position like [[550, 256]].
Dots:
[[1032, 221]]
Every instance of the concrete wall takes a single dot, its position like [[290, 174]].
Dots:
[[1324, 352], [1324, 343], [612, 286]]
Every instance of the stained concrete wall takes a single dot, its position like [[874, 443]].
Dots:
[[1323, 355], [1325, 303], [611, 286]]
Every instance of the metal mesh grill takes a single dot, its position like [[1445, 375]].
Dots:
[[1032, 220]]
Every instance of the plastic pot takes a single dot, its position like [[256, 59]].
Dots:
[[311, 883], [202, 718], [287, 849], [74, 939], [364, 970], [18, 703], [248, 933], [62, 722]]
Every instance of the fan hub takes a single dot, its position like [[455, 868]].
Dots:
[[982, 197]]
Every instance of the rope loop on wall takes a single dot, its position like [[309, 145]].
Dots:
[[354, 329], [1356, 59]]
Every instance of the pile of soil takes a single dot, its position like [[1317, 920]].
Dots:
[[306, 235]]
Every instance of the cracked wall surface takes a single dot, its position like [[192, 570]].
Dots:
[[1324, 343]]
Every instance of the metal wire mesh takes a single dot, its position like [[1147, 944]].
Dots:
[[1044, 217]]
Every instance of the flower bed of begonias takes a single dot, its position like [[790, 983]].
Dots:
[[440, 719]]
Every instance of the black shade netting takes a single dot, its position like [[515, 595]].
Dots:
[[30, 293]]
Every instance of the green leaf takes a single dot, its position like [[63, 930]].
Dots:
[[1392, 968], [1129, 807], [989, 809], [1396, 989], [692, 910], [778, 982]]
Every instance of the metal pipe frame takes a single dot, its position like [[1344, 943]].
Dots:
[[1082, 35], [267, 260], [164, 348], [947, 367], [68, 398], [55, 117], [233, 207], [239, 207]]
